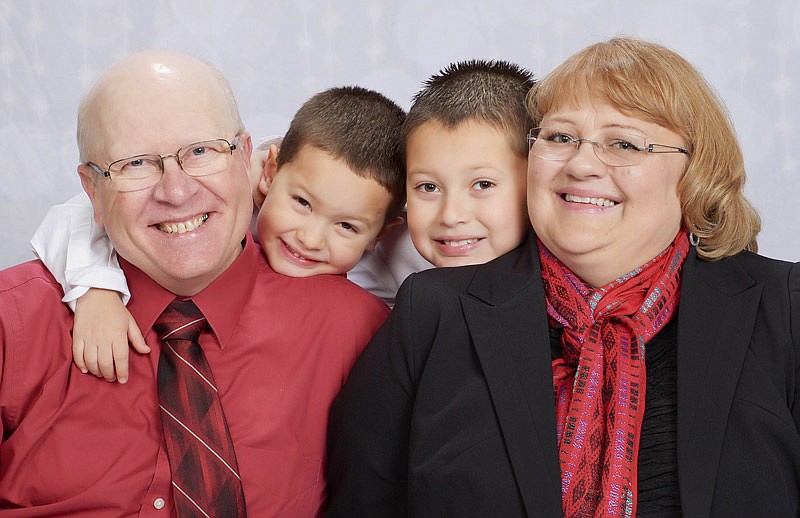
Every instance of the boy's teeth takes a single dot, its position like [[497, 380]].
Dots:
[[185, 226], [462, 242], [600, 202], [298, 254]]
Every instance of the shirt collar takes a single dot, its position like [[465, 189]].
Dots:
[[221, 302]]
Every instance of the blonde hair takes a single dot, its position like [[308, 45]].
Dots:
[[651, 82]]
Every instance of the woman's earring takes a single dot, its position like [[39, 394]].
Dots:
[[693, 239]]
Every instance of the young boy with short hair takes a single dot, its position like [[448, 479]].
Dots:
[[322, 209], [329, 193]]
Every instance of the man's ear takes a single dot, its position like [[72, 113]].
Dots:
[[384, 231], [246, 144], [89, 178], [245, 150]]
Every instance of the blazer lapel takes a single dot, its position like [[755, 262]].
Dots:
[[715, 322], [505, 313]]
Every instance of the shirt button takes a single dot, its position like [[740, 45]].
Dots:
[[159, 503]]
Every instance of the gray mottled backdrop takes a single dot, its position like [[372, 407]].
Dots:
[[277, 54]]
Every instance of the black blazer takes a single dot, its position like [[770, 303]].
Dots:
[[450, 410]]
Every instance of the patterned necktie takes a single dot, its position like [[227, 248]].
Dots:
[[205, 475]]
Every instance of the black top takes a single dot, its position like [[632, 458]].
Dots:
[[449, 411], [658, 460]]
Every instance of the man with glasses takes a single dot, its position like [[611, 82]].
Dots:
[[227, 416]]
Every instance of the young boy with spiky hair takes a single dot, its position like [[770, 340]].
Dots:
[[464, 142], [465, 149]]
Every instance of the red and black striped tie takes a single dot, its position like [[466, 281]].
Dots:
[[205, 474]]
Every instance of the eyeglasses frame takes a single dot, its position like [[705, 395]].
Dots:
[[648, 149], [232, 144]]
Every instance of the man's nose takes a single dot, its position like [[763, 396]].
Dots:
[[175, 186]]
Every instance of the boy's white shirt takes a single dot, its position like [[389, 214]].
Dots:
[[79, 255], [77, 251], [382, 270]]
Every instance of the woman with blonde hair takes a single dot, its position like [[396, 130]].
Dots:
[[635, 357]]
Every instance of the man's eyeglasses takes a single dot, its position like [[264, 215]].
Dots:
[[612, 148], [142, 171]]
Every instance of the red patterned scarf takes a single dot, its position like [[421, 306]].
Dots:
[[600, 381]]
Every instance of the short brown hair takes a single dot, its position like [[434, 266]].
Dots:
[[485, 91], [361, 127], [653, 83]]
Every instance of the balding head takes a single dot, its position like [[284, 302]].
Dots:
[[147, 79], [183, 231]]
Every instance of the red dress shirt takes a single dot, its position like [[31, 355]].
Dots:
[[74, 445]]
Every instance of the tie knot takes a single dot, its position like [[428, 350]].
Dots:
[[182, 320]]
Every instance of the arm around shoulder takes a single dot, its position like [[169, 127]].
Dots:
[[77, 251]]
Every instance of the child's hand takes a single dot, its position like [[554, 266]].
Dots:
[[102, 329]]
